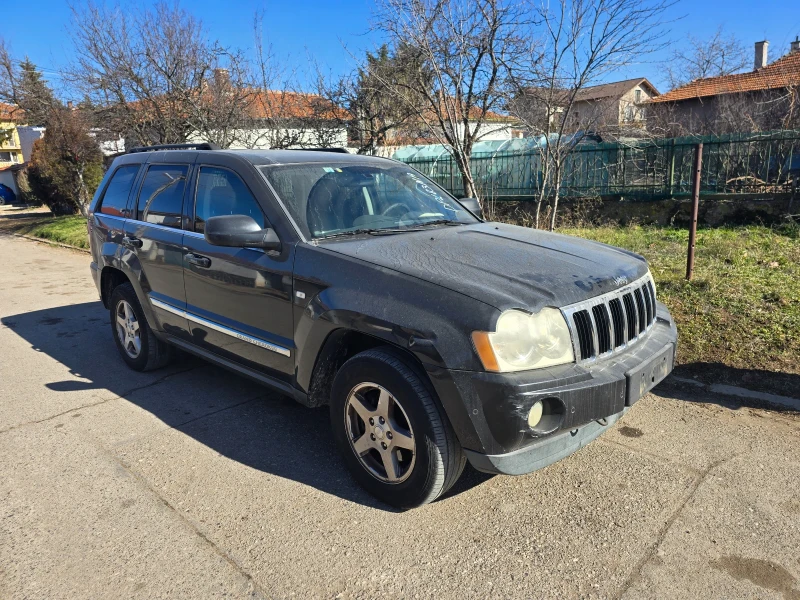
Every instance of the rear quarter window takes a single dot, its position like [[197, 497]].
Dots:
[[115, 198]]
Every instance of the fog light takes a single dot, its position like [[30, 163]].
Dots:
[[536, 414]]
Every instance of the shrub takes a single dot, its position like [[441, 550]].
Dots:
[[26, 193], [66, 164]]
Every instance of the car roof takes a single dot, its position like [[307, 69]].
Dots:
[[257, 157], [284, 157]]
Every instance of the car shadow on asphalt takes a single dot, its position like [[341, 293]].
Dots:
[[252, 425]]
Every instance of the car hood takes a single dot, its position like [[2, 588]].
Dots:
[[502, 265]]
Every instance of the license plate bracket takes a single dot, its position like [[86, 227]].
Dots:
[[648, 375]]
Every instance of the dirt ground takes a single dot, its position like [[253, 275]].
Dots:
[[191, 482]]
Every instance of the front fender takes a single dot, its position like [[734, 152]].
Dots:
[[431, 322]]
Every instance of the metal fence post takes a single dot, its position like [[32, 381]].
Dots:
[[698, 164], [671, 167]]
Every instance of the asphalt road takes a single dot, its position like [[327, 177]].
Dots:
[[190, 482]]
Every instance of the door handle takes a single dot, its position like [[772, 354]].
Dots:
[[200, 261], [132, 241]]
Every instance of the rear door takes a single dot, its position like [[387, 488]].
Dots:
[[113, 207], [238, 300], [155, 234]]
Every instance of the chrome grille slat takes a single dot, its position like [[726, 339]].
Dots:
[[602, 323], [618, 318], [609, 323], [593, 325], [630, 315], [640, 311]]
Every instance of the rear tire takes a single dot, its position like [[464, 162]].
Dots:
[[393, 435], [139, 347]]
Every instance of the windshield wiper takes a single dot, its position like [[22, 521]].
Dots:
[[388, 231], [350, 232], [440, 222]]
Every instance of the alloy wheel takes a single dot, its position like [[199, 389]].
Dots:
[[380, 433], [128, 330]]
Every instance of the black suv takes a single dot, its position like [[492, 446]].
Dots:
[[356, 282]]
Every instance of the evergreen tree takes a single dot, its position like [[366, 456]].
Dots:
[[34, 95]]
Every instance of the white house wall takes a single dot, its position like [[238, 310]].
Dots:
[[261, 138], [7, 178]]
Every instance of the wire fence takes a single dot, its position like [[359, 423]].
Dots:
[[735, 165]]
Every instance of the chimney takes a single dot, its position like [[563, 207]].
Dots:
[[795, 45], [221, 77], [761, 55]]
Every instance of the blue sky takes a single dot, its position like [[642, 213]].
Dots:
[[330, 30]]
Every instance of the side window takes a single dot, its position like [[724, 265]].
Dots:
[[116, 195], [161, 196], [222, 192]]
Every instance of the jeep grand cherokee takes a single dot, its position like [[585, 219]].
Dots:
[[356, 282]]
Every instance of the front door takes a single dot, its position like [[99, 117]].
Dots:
[[238, 300], [156, 237]]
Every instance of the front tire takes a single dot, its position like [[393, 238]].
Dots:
[[139, 347], [394, 437]]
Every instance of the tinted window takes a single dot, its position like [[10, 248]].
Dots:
[[115, 198], [222, 192], [161, 197], [333, 199]]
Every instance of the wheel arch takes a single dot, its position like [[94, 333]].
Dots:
[[339, 346], [111, 277]]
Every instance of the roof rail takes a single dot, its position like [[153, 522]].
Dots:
[[336, 150], [200, 146]]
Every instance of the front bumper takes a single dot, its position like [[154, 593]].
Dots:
[[497, 438], [543, 452]]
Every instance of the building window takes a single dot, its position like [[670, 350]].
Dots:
[[637, 95], [5, 156], [629, 114]]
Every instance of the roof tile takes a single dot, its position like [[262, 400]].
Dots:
[[783, 73]]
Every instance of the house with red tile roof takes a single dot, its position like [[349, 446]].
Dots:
[[761, 99]]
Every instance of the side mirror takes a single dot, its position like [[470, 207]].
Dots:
[[472, 205], [240, 231]]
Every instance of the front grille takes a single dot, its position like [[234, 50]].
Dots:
[[606, 324]]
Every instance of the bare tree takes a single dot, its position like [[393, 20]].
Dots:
[[466, 48], [156, 74], [280, 113], [579, 42], [719, 55]]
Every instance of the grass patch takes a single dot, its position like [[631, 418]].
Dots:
[[742, 309], [65, 230]]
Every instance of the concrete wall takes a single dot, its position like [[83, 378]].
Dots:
[[7, 178], [261, 138]]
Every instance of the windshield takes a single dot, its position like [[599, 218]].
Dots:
[[337, 199]]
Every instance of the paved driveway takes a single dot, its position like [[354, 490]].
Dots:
[[190, 482]]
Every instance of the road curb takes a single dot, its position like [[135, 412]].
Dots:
[[51, 242], [732, 390]]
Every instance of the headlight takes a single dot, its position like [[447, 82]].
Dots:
[[522, 341]]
